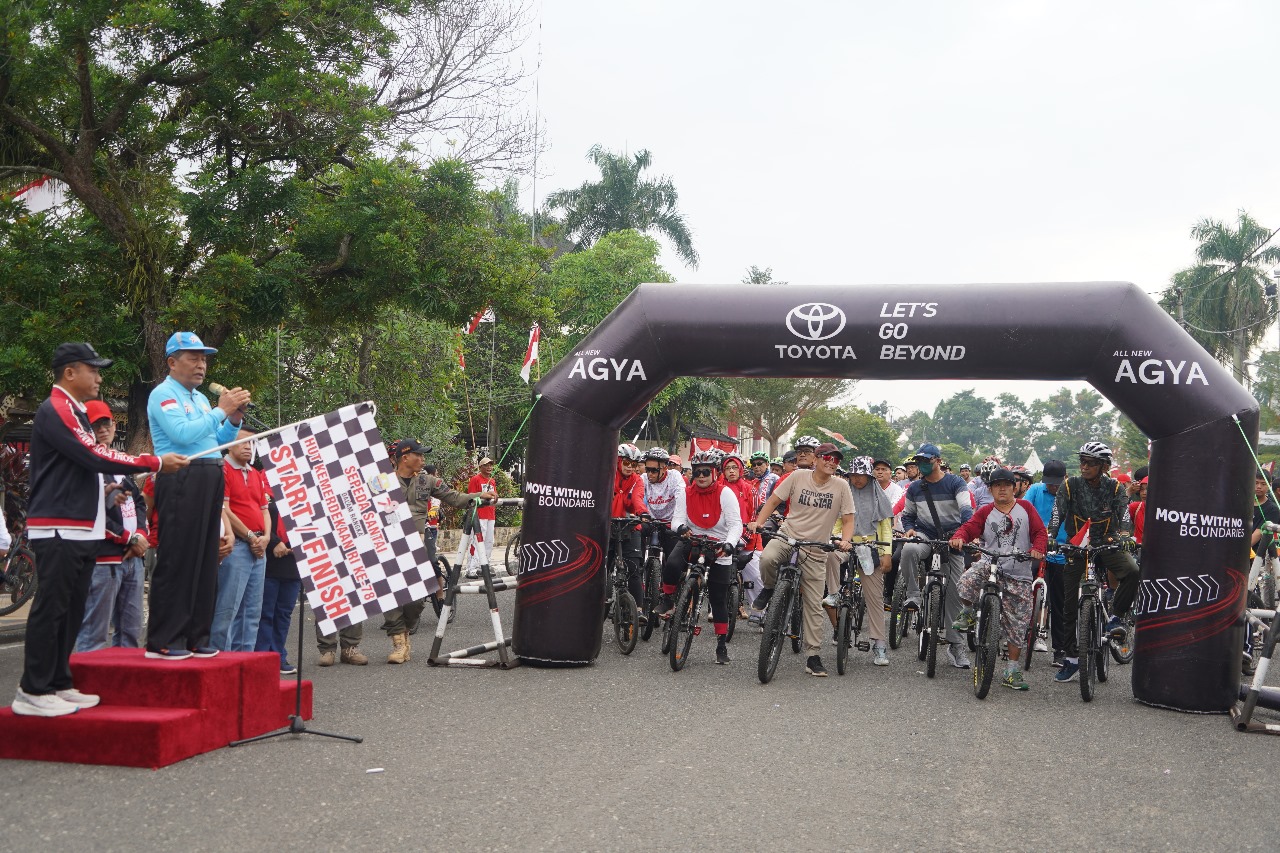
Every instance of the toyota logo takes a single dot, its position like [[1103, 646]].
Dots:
[[815, 321]]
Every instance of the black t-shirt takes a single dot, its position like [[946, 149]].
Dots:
[[1266, 511]]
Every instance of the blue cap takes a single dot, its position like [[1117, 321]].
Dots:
[[928, 451], [179, 341]]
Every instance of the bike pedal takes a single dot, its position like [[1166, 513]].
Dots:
[[864, 646], [697, 630]]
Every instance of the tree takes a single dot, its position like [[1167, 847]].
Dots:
[[869, 434], [1070, 421], [1266, 389], [918, 428], [755, 275], [689, 401], [775, 405], [964, 419], [623, 200], [586, 286], [1015, 427], [1224, 297], [1129, 443]]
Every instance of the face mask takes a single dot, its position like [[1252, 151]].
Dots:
[[926, 468]]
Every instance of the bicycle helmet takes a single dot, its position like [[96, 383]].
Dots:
[[1096, 450], [1002, 475], [733, 454], [777, 460], [1021, 472], [657, 453], [986, 467], [807, 441], [862, 465], [759, 456], [630, 452], [705, 457]]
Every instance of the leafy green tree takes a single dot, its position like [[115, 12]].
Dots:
[[1071, 420], [775, 405], [869, 434], [623, 199], [1129, 443], [755, 275], [586, 286], [1015, 426], [918, 428], [688, 402], [1266, 389], [964, 419], [1224, 297]]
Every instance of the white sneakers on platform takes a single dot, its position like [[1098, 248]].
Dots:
[[52, 704]]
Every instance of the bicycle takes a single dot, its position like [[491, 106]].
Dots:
[[1038, 627], [18, 573], [651, 574], [986, 632], [851, 607], [683, 625], [903, 615], [784, 615], [621, 605], [511, 560], [1093, 643], [931, 617]]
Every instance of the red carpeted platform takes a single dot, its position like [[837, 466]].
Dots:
[[154, 713]]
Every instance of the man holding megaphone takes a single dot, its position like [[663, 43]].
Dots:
[[189, 501]]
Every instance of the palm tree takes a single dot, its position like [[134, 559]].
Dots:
[[621, 199], [1225, 302]]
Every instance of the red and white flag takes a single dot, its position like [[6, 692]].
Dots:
[[530, 354], [484, 315]]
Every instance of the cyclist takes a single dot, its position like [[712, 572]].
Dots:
[[745, 491], [872, 520], [978, 484], [1025, 479], [1094, 506], [765, 479], [775, 468], [934, 506], [663, 493], [818, 499], [1006, 524], [966, 472], [628, 499], [1042, 496], [711, 510]]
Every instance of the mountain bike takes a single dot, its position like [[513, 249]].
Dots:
[[783, 618], [904, 615], [683, 625], [1038, 627], [851, 607], [935, 593], [18, 572], [987, 651], [1093, 643], [620, 607], [651, 574]]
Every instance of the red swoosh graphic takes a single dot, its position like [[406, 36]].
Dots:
[[1199, 624], [568, 577]]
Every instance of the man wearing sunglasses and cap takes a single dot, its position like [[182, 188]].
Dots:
[[66, 521], [189, 502]]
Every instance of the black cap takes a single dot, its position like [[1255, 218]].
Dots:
[[789, 456], [1054, 473], [1140, 474], [407, 445], [71, 353], [1002, 475]]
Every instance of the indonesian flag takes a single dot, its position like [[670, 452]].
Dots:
[[530, 354], [1081, 539], [484, 315]]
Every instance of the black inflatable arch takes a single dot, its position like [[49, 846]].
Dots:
[[1198, 517]]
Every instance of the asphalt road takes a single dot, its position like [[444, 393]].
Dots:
[[626, 754]]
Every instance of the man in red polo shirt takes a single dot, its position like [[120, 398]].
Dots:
[[238, 607], [476, 550]]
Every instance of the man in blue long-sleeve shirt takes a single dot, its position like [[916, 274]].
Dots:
[[188, 503]]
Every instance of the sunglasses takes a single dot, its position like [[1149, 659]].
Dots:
[[649, 470], [830, 457], [704, 472]]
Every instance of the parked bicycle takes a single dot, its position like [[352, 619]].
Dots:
[[783, 619], [988, 650], [1095, 645], [621, 606], [851, 607], [18, 572]]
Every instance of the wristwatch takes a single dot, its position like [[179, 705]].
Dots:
[[253, 537]]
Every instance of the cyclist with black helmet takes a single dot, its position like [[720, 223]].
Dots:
[[628, 499], [711, 510], [1095, 505]]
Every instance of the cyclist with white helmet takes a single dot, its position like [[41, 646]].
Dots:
[[663, 493], [628, 499], [978, 484], [872, 521], [1096, 506], [711, 511], [805, 448]]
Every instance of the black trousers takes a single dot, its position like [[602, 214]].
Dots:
[[184, 585], [1057, 626], [1118, 563], [64, 570], [718, 578]]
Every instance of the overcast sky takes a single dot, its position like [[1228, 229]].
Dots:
[[952, 141]]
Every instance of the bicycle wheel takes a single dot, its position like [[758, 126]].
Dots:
[[1122, 648], [1268, 587], [844, 630], [797, 623], [1104, 658], [988, 645], [971, 640], [1086, 645], [652, 593], [684, 621], [21, 584], [625, 627], [733, 600], [897, 612], [442, 575], [933, 631], [775, 626], [859, 617], [512, 558], [1033, 628]]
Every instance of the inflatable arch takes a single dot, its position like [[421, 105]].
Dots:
[[1110, 334]]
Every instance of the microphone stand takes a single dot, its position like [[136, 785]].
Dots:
[[296, 725]]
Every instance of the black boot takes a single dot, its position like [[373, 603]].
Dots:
[[722, 650]]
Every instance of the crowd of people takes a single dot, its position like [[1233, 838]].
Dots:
[[223, 576], [810, 494]]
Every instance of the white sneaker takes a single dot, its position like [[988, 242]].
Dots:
[[80, 700], [831, 600], [959, 657], [48, 705], [1041, 645]]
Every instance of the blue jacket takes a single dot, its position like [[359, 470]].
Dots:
[[1038, 496]]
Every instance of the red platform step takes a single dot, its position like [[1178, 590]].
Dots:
[[154, 713]]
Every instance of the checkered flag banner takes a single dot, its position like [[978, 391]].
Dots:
[[346, 517]]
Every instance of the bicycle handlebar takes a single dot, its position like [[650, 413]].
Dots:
[[1020, 556], [1089, 549]]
